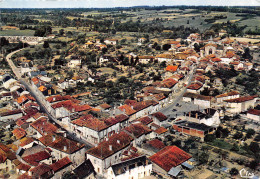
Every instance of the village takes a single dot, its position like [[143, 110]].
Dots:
[[130, 106]]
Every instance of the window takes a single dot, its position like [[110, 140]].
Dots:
[[115, 157]]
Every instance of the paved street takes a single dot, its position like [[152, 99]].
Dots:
[[26, 83], [177, 97]]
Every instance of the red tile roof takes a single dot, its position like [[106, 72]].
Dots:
[[130, 102], [41, 171], [138, 129], [160, 130], [56, 98], [105, 106], [160, 116], [168, 83], [156, 144], [61, 143], [254, 112], [145, 120], [2, 158], [13, 112], [117, 141], [35, 158], [241, 99], [170, 156], [171, 68], [90, 122], [43, 126], [121, 117], [71, 106], [19, 133], [195, 86], [228, 94], [4, 150], [127, 109], [22, 166], [26, 140], [62, 163]]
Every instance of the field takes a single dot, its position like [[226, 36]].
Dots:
[[17, 33]]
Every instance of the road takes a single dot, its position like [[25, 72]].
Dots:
[[177, 96], [27, 85], [15, 70]]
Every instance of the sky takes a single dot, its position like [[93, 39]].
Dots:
[[119, 3]]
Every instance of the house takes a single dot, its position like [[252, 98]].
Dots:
[[19, 133], [164, 58], [106, 58], [42, 127], [11, 115], [229, 95], [109, 151], [63, 84], [64, 147], [66, 108], [6, 158], [241, 104], [208, 116], [195, 87], [154, 145], [135, 168], [74, 62], [61, 166], [145, 59], [159, 118], [253, 114], [95, 130], [85, 170], [169, 158], [197, 99], [111, 41], [139, 132], [192, 128], [41, 171]]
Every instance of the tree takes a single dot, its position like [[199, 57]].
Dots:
[[235, 147], [46, 44], [238, 135], [69, 175], [253, 164], [210, 138], [233, 172], [254, 147], [163, 64], [166, 46], [3, 42], [61, 32], [250, 133], [203, 158]]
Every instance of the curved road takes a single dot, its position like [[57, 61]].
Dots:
[[26, 83]]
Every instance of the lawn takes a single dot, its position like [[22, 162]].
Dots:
[[221, 144], [17, 33]]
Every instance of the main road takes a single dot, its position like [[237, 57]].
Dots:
[[177, 96], [27, 85]]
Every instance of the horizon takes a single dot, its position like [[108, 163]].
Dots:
[[54, 4]]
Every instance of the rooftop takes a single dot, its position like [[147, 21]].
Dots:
[[170, 156], [114, 144]]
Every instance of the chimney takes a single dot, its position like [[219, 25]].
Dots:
[[110, 147], [119, 171], [54, 99], [65, 148], [53, 138], [65, 134], [106, 139], [132, 107], [118, 141], [73, 109], [146, 162], [30, 173]]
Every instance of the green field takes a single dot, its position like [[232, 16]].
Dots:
[[17, 33]]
